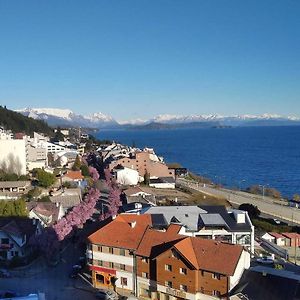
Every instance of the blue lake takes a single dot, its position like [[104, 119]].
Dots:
[[235, 157]]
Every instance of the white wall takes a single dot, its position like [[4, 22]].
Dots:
[[244, 263], [119, 259], [163, 185], [13, 154], [127, 176], [129, 277]]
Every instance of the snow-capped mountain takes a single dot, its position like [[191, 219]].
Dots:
[[66, 117], [235, 120]]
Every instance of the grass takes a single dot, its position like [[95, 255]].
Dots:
[[203, 199]]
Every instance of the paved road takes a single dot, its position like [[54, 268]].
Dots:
[[53, 281], [266, 205]]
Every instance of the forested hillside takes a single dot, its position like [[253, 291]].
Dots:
[[18, 123]]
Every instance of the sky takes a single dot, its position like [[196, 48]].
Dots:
[[137, 59]]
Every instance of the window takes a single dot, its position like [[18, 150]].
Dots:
[[216, 293], [123, 281], [216, 276], [122, 252], [144, 275], [100, 248], [145, 260], [168, 268], [4, 241], [111, 250], [183, 271], [100, 263], [168, 284], [111, 265], [202, 273], [122, 266], [183, 287]]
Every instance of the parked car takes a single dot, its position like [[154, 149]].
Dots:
[[106, 295], [4, 273], [75, 271]]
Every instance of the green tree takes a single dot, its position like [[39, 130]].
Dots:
[[20, 208], [252, 210], [44, 178], [33, 194], [85, 170], [77, 164], [147, 178]]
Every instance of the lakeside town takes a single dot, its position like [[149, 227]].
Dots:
[[87, 219]]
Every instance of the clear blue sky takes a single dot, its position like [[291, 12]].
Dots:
[[141, 58]]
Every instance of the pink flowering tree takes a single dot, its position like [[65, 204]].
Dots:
[[94, 173]]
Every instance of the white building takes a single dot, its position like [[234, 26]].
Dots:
[[126, 176], [13, 156]]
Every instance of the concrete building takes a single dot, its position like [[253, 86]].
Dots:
[[126, 176], [209, 222], [13, 156], [144, 162], [130, 255], [36, 158]]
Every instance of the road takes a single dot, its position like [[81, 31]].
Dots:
[[54, 282], [266, 205]]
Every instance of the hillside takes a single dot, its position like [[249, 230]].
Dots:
[[16, 122]]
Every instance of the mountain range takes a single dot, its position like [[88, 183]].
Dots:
[[66, 117]]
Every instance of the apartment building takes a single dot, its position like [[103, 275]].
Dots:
[[144, 162], [131, 255]]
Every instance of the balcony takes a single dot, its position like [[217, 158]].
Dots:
[[5, 246]]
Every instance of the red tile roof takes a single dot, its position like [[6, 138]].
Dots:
[[276, 235], [210, 255], [291, 235], [75, 175], [155, 242], [126, 231]]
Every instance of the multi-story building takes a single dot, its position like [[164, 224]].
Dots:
[[13, 155], [209, 222], [131, 255], [144, 162]]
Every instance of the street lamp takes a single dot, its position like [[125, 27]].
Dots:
[[263, 189]]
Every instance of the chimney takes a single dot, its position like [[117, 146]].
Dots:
[[132, 224]]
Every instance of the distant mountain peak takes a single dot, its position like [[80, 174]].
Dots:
[[66, 117]]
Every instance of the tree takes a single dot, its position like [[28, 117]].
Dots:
[[252, 210], [94, 173], [85, 170], [147, 178], [77, 164], [44, 178]]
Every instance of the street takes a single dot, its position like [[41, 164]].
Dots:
[[54, 282], [266, 205]]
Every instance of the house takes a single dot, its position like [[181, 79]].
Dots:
[[162, 183], [72, 176], [210, 222], [47, 213], [14, 186], [15, 234], [126, 176], [131, 255], [137, 195], [279, 238], [292, 239], [68, 198], [268, 237]]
